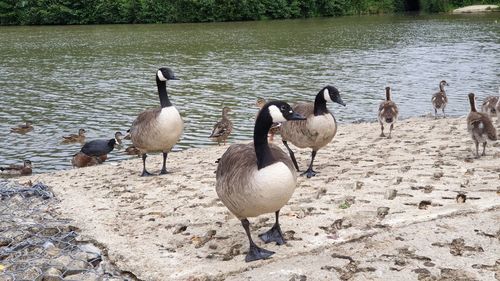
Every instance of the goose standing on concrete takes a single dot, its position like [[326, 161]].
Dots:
[[315, 132], [258, 178], [480, 126], [223, 128], [387, 112], [439, 99], [158, 129]]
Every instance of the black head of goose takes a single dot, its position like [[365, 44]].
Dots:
[[315, 132], [258, 178], [387, 112], [159, 129], [480, 126], [439, 99]]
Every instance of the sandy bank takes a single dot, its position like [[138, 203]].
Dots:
[[173, 227], [476, 9]]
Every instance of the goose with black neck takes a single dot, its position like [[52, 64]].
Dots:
[[315, 132], [158, 129], [257, 178]]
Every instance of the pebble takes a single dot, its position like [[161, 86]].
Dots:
[[382, 212], [390, 194]]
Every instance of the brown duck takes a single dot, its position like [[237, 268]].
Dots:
[[17, 170], [223, 128], [480, 126], [80, 137], [439, 99], [23, 129], [387, 112]]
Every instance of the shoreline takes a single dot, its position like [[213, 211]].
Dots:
[[174, 227]]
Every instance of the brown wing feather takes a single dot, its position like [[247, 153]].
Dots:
[[235, 170], [480, 123], [439, 100], [143, 123]]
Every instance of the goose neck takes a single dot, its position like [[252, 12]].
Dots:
[[320, 105], [162, 92], [262, 149], [472, 103]]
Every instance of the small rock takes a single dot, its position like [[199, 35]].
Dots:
[[390, 194], [50, 249], [358, 185], [400, 261], [461, 198], [52, 274], [180, 228], [405, 169], [457, 246], [297, 277], [424, 204], [397, 180], [382, 212], [437, 175]]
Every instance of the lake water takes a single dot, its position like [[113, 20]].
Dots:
[[100, 77]]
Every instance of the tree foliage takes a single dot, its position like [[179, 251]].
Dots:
[[37, 12]]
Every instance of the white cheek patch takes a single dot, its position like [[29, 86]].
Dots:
[[160, 76], [276, 114], [382, 111], [326, 95]]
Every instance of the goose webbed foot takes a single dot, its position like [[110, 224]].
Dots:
[[164, 171], [146, 174], [273, 235], [382, 135], [257, 253], [309, 173]]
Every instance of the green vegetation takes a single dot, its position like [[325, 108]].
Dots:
[[35, 12]]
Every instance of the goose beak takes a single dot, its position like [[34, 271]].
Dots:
[[174, 78], [296, 116]]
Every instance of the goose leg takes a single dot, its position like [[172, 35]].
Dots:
[[444, 114], [292, 155], [310, 172], [382, 128], [274, 234], [484, 149], [144, 172], [435, 113], [254, 252], [477, 148], [164, 167], [390, 130]]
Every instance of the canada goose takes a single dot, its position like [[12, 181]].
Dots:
[[18, 170], [158, 129], [80, 137], [81, 159], [275, 128], [489, 106], [387, 112], [480, 126], [439, 99], [223, 128], [22, 129], [317, 131], [258, 178]]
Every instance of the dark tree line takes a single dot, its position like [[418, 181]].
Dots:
[[37, 12]]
